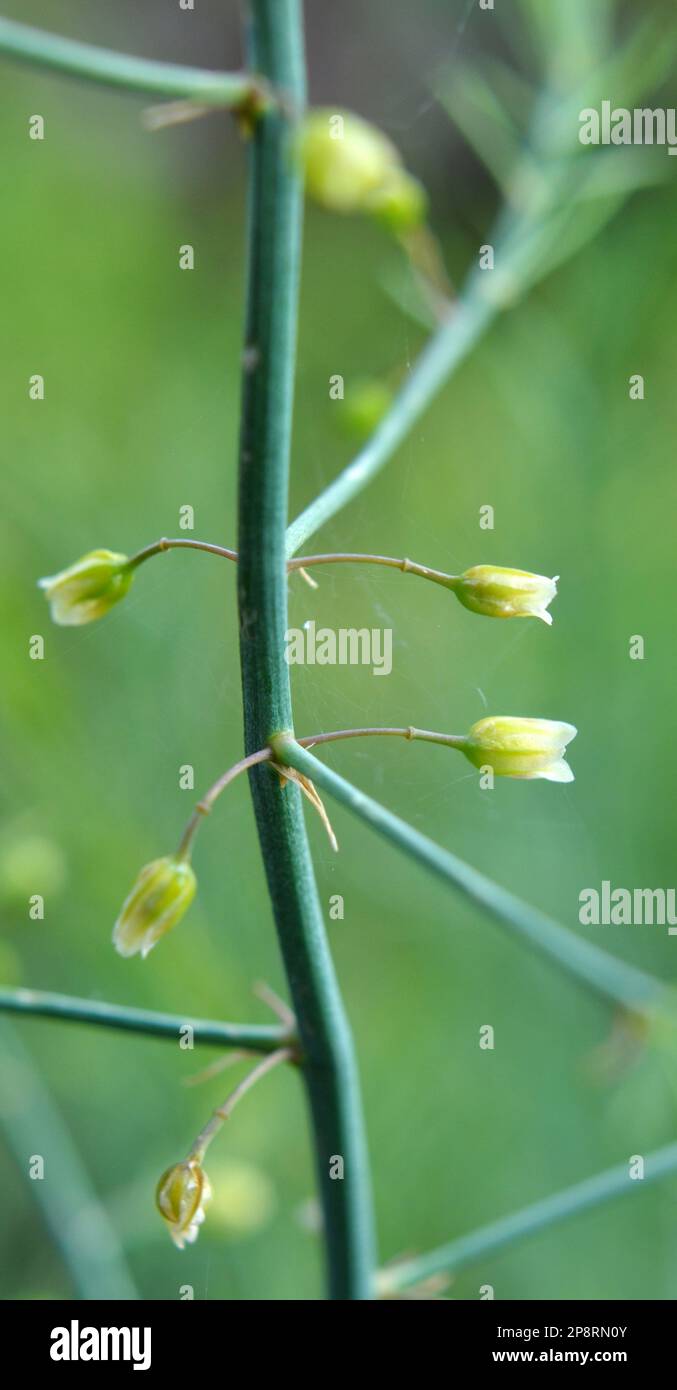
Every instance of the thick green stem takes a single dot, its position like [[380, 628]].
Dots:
[[253, 1037], [276, 50], [234, 89]]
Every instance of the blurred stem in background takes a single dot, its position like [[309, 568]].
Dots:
[[556, 196], [73, 1212], [614, 1182], [274, 245]]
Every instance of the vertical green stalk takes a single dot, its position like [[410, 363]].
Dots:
[[274, 238]]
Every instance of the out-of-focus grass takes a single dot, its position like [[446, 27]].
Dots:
[[141, 364]]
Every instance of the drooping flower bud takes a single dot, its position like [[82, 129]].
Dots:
[[351, 166], [163, 891], [506, 593], [86, 590], [181, 1195], [525, 748]]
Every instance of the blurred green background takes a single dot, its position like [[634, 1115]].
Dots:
[[141, 365]]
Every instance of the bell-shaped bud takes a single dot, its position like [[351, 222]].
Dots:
[[505, 593], [351, 166], [180, 1197], [161, 894], [526, 748], [86, 590]]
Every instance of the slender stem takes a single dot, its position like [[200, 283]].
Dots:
[[407, 731], [611, 978], [445, 350], [614, 1182], [233, 89], [223, 1113], [347, 558], [160, 547], [254, 1037], [261, 756], [276, 50], [301, 561]]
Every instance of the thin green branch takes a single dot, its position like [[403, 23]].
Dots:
[[608, 976], [236, 89], [614, 1182], [274, 237], [74, 1213], [254, 1037], [445, 351]]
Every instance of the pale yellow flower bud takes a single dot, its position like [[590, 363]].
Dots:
[[506, 593], [161, 894], [86, 590], [525, 748], [181, 1195], [351, 166]]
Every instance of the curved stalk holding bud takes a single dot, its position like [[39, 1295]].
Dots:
[[528, 748], [184, 1189], [86, 590], [224, 1111]]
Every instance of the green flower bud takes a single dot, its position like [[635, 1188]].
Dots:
[[86, 590], [350, 166], [506, 593], [401, 203], [525, 748], [364, 405], [162, 893], [345, 159], [180, 1197]]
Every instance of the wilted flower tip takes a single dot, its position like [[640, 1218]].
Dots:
[[181, 1196]]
